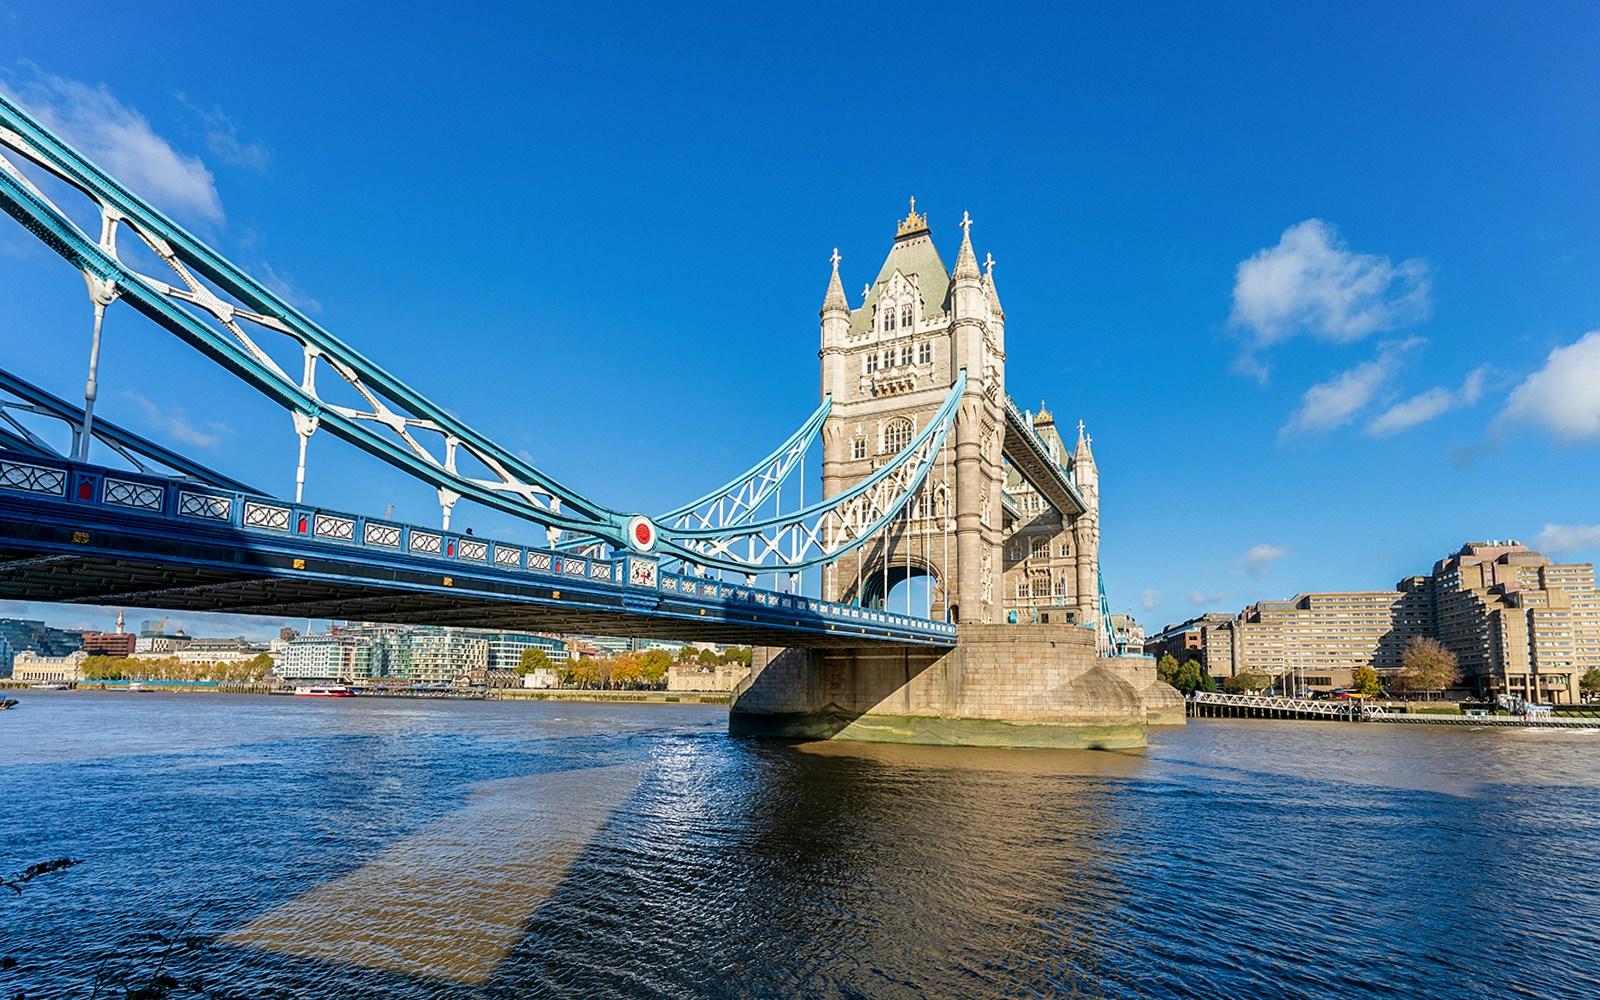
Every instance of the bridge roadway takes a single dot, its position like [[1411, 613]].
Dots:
[[85, 534]]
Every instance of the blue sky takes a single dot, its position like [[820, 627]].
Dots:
[[1321, 283]]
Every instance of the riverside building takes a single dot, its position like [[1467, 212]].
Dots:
[[1517, 622]]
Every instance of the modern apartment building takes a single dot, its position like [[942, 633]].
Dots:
[[1517, 622]]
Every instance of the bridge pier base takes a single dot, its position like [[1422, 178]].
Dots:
[[1003, 685]]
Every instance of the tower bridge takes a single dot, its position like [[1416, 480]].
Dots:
[[928, 467]]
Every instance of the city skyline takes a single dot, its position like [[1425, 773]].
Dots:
[[1362, 265]]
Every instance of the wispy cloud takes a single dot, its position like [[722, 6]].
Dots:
[[1563, 397], [1258, 561], [1560, 538], [222, 138], [1311, 283], [1339, 400], [121, 140], [1150, 600], [175, 422], [1201, 599], [286, 289], [1426, 406]]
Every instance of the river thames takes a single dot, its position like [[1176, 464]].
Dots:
[[253, 847]]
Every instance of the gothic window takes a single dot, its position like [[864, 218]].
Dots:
[[1016, 550], [888, 358], [872, 362], [858, 448], [888, 318], [905, 317], [925, 354], [1041, 548], [1066, 548], [1023, 591], [896, 434], [905, 354]]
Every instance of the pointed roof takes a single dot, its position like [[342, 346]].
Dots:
[[1081, 453], [966, 260], [988, 283], [914, 256], [835, 298]]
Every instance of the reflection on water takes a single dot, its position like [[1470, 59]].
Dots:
[[484, 850]]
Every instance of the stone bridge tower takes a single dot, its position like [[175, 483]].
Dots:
[[1008, 524], [889, 364]]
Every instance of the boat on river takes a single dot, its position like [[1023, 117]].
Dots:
[[325, 691], [51, 686], [6, 703]]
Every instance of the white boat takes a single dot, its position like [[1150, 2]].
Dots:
[[328, 691]]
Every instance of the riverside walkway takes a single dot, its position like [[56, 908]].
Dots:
[[1215, 704]]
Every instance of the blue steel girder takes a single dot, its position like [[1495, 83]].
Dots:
[[140, 452], [397, 424], [388, 430]]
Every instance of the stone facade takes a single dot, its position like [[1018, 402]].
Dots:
[[889, 364]]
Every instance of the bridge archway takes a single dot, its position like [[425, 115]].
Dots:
[[918, 584]]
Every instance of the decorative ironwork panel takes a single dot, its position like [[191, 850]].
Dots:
[[340, 528], [421, 541], [599, 571], [538, 560], [140, 496], [469, 549], [381, 534], [200, 505], [261, 515], [33, 478], [575, 567], [504, 556]]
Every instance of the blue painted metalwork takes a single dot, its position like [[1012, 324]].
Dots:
[[137, 450], [40, 491], [396, 422]]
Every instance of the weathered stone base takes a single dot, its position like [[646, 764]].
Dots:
[[1003, 685]]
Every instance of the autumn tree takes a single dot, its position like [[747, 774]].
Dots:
[[533, 660], [1426, 667], [1366, 681], [1249, 681], [653, 666]]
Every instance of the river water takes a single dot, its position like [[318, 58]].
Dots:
[[253, 847]]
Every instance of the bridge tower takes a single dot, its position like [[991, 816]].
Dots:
[[996, 547]]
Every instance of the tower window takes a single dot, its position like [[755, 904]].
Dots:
[[925, 354], [858, 448], [888, 318], [896, 434], [872, 362], [888, 358], [905, 354], [905, 317]]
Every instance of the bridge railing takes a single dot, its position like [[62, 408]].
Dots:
[[180, 501]]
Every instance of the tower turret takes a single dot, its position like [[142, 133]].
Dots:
[[835, 328]]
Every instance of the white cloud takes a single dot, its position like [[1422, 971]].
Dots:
[[1258, 561], [175, 421], [285, 289], [1311, 283], [121, 141], [1564, 396], [1150, 600], [1559, 538], [1426, 406], [1337, 401], [1200, 598], [222, 138]]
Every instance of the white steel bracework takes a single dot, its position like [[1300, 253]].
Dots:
[[223, 311]]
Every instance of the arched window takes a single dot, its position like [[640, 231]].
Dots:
[[905, 317], [858, 448], [896, 434], [888, 317], [925, 353], [905, 354]]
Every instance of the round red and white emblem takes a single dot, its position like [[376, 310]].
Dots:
[[641, 533]]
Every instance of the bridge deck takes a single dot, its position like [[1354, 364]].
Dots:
[[84, 534]]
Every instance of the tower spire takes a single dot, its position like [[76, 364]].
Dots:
[[835, 298], [966, 260]]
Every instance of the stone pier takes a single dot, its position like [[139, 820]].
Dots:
[[1002, 686]]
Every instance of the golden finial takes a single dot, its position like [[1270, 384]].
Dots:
[[912, 223]]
